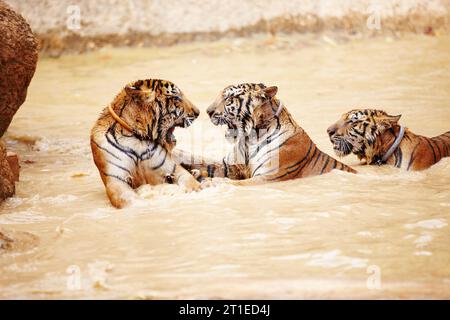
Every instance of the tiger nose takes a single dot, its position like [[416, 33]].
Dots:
[[331, 130], [210, 111], [196, 112]]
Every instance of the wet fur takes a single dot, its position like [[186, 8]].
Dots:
[[267, 147], [126, 160], [369, 133]]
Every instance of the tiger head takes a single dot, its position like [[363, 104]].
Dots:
[[155, 107], [358, 132], [242, 108]]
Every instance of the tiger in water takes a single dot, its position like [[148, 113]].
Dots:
[[133, 138], [378, 138], [268, 145]]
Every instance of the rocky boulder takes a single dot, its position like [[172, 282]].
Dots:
[[7, 177], [18, 58], [16, 241]]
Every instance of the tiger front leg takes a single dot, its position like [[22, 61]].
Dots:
[[218, 170], [212, 182], [204, 168], [199, 167], [170, 168], [186, 180], [120, 194]]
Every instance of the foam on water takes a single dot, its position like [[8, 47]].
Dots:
[[428, 224], [28, 216], [329, 259]]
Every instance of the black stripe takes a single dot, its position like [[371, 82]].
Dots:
[[148, 154], [325, 165], [159, 165], [240, 104], [127, 151], [365, 124], [260, 165], [334, 164], [412, 156], [444, 145], [277, 147], [298, 164], [106, 150], [431, 147], [225, 168], [313, 155], [122, 108], [266, 141], [266, 172], [244, 151], [437, 146], [300, 168], [117, 177], [317, 159], [210, 169], [118, 166], [303, 159]]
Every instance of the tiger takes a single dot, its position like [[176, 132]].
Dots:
[[376, 137], [133, 139], [268, 145]]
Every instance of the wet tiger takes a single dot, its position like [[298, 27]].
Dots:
[[378, 138], [133, 139], [268, 145]]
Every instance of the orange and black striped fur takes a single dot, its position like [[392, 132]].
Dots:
[[370, 133], [126, 160], [268, 144]]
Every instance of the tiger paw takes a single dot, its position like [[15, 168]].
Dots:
[[196, 173], [206, 183], [199, 174], [190, 185], [214, 182]]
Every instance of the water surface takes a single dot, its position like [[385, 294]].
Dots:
[[325, 236]]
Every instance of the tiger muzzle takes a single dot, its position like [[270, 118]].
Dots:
[[332, 131], [211, 111]]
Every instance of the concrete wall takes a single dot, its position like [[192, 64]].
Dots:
[[165, 22]]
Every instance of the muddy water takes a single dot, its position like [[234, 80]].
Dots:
[[329, 236]]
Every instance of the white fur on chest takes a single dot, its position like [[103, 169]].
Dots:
[[261, 155], [132, 158]]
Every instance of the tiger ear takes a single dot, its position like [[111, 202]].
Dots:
[[130, 90], [138, 93], [389, 121], [270, 92]]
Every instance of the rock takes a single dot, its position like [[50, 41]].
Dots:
[[5, 241], [13, 161], [12, 241], [7, 187], [18, 58]]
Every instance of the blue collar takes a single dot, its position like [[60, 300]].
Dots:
[[394, 146]]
